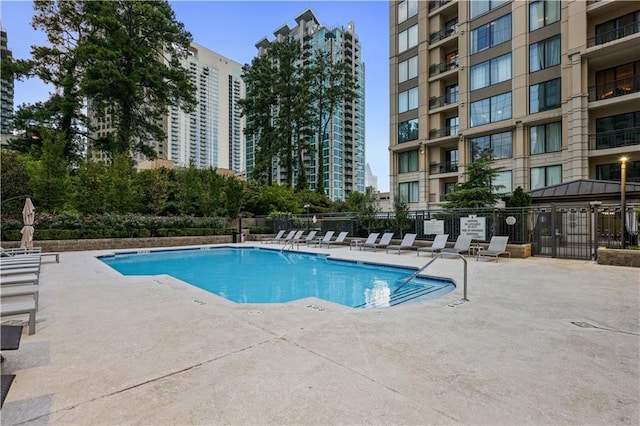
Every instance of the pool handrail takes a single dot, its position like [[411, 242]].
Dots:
[[415, 274]]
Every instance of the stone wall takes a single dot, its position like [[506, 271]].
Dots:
[[123, 243], [618, 257]]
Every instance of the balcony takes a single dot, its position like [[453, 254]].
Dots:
[[615, 139], [614, 88], [614, 34], [449, 167], [443, 67], [434, 4], [440, 101], [442, 133], [442, 34]]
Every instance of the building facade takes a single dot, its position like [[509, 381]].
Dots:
[[344, 145], [6, 92], [212, 135], [551, 87]]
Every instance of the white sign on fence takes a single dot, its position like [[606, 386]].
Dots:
[[474, 227], [433, 227]]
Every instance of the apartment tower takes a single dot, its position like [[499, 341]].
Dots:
[[551, 87], [212, 135], [344, 161], [6, 92]]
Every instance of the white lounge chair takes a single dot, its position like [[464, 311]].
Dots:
[[497, 247], [295, 237], [371, 239], [325, 239], [406, 244], [463, 242], [439, 242], [338, 241], [277, 238], [385, 240], [309, 238]]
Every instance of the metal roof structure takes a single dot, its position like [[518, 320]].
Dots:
[[585, 190]]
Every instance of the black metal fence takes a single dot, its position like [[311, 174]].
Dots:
[[554, 231]]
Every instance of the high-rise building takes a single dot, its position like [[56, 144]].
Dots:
[[212, 135], [6, 91], [344, 143], [551, 87]]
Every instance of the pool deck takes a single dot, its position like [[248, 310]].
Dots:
[[540, 341]]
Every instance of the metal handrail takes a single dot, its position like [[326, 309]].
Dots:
[[415, 274]]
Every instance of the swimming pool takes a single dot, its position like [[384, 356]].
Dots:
[[256, 275]]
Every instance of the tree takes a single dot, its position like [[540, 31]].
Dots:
[[401, 213], [154, 187], [134, 69], [519, 198], [60, 64], [365, 207], [478, 190], [258, 107], [234, 196], [14, 182], [121, 196], [90, 184], [49, 176], [330, 85]]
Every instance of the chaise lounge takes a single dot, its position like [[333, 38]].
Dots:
[[439, 242], [406, 244], [497, 247]]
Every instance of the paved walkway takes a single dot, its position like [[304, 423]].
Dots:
[[541, 341]]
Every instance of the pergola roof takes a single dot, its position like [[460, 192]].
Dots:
[[585, 189]]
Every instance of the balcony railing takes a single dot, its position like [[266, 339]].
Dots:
[[614, 88], [615, 34], [437, 3], [615, 138], [448, 167], [440, 101], [442, 34], [441, 133], [443, 67]]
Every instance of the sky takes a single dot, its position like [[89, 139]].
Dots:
[[232, 28]]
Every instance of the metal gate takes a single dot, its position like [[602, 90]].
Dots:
[[564, 232]]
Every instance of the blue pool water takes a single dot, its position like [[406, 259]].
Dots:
[[254, 275]]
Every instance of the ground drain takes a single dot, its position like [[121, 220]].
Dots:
[[456, 304], [315, 308], [199, 302]]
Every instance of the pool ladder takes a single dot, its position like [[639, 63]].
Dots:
[[415, 274], [290, 243]]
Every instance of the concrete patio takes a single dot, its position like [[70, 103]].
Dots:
[[540, 341]]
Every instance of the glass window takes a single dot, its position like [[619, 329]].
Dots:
[[408, 100], [490, 110], [408, 39], [491, 34], [452, 125], [408, 69], [542, 13], [408, 162], [546, 138], [491, 72], [544, 54], [544, 96], [407, 9], [408, 130], [409, 192], [478, 7], [480, 112], [500, 145], [502, 182], [545, 176]]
